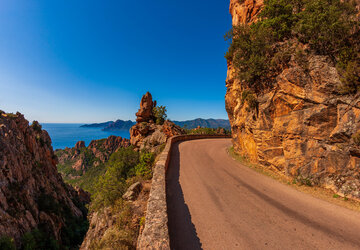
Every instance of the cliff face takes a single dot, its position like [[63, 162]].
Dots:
[[302, 127], [32, 193]]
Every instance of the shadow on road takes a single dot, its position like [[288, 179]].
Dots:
[[182, 231]]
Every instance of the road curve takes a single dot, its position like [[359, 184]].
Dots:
[[215, 202]]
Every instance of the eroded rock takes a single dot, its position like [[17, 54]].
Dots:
[[302, 127]]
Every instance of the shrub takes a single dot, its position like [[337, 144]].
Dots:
[[250, 98], [325, 25], [36, 126], [249, 53], [144, 168], [350, 77], [111, 186], [37, 239], [160, 114], [329, 27], [278, 17], [7, 243], [123, 161]]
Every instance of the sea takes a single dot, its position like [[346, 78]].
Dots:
[[67, 134]]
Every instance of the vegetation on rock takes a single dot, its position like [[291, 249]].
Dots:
[[328, 27], [122, 166], [160, 115], [208, 131]]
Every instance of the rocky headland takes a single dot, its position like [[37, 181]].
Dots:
[[118, 125]]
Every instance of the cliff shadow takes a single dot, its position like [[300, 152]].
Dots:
[[181, 230]]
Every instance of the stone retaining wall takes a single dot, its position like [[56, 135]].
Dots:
[[155, 234]]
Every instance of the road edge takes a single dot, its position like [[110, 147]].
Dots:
[[156, 233]]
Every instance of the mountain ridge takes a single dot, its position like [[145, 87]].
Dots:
[[190, 124]]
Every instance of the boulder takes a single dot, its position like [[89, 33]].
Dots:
[[132, 192]]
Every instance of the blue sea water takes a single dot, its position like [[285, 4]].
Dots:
[[66, 134]]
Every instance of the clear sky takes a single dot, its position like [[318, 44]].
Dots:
[[92, 60]]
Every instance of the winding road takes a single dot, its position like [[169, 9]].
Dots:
[[214, 202]]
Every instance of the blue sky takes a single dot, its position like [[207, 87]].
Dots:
[[91, 61]]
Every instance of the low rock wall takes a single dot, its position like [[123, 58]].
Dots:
[[156, 234]]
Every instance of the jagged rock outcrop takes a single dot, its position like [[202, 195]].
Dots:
[[145, 134], [145, 113], [302, 127], [245, 11], [98, 151], [32, 193], [79, 145]]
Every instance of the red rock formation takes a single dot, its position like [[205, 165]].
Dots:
[[99, 150], [146, 134], [302, 127], [146, 107], [29, 180], [245, 11], [80, 144]]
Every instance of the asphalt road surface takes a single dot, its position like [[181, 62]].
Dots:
[[215, 202]]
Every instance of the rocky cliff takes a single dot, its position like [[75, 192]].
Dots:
[[301, 126], [33, 195], [81, 158]]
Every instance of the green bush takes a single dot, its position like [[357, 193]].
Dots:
[[7, 243], [278, 18], [250, 52], [123, 161], [249, 97], [325, 25], [144, 168], [36, 126], [350, 77], [160, 114], [329, 27], [38, 240], [111, 186]]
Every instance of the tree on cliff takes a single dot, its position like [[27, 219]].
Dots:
[[160, 114]]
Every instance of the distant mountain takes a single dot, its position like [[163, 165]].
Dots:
[[118, 125], [97, 125], [205, 123], [190, 124]]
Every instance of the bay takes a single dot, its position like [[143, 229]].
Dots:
[[67, 134]]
